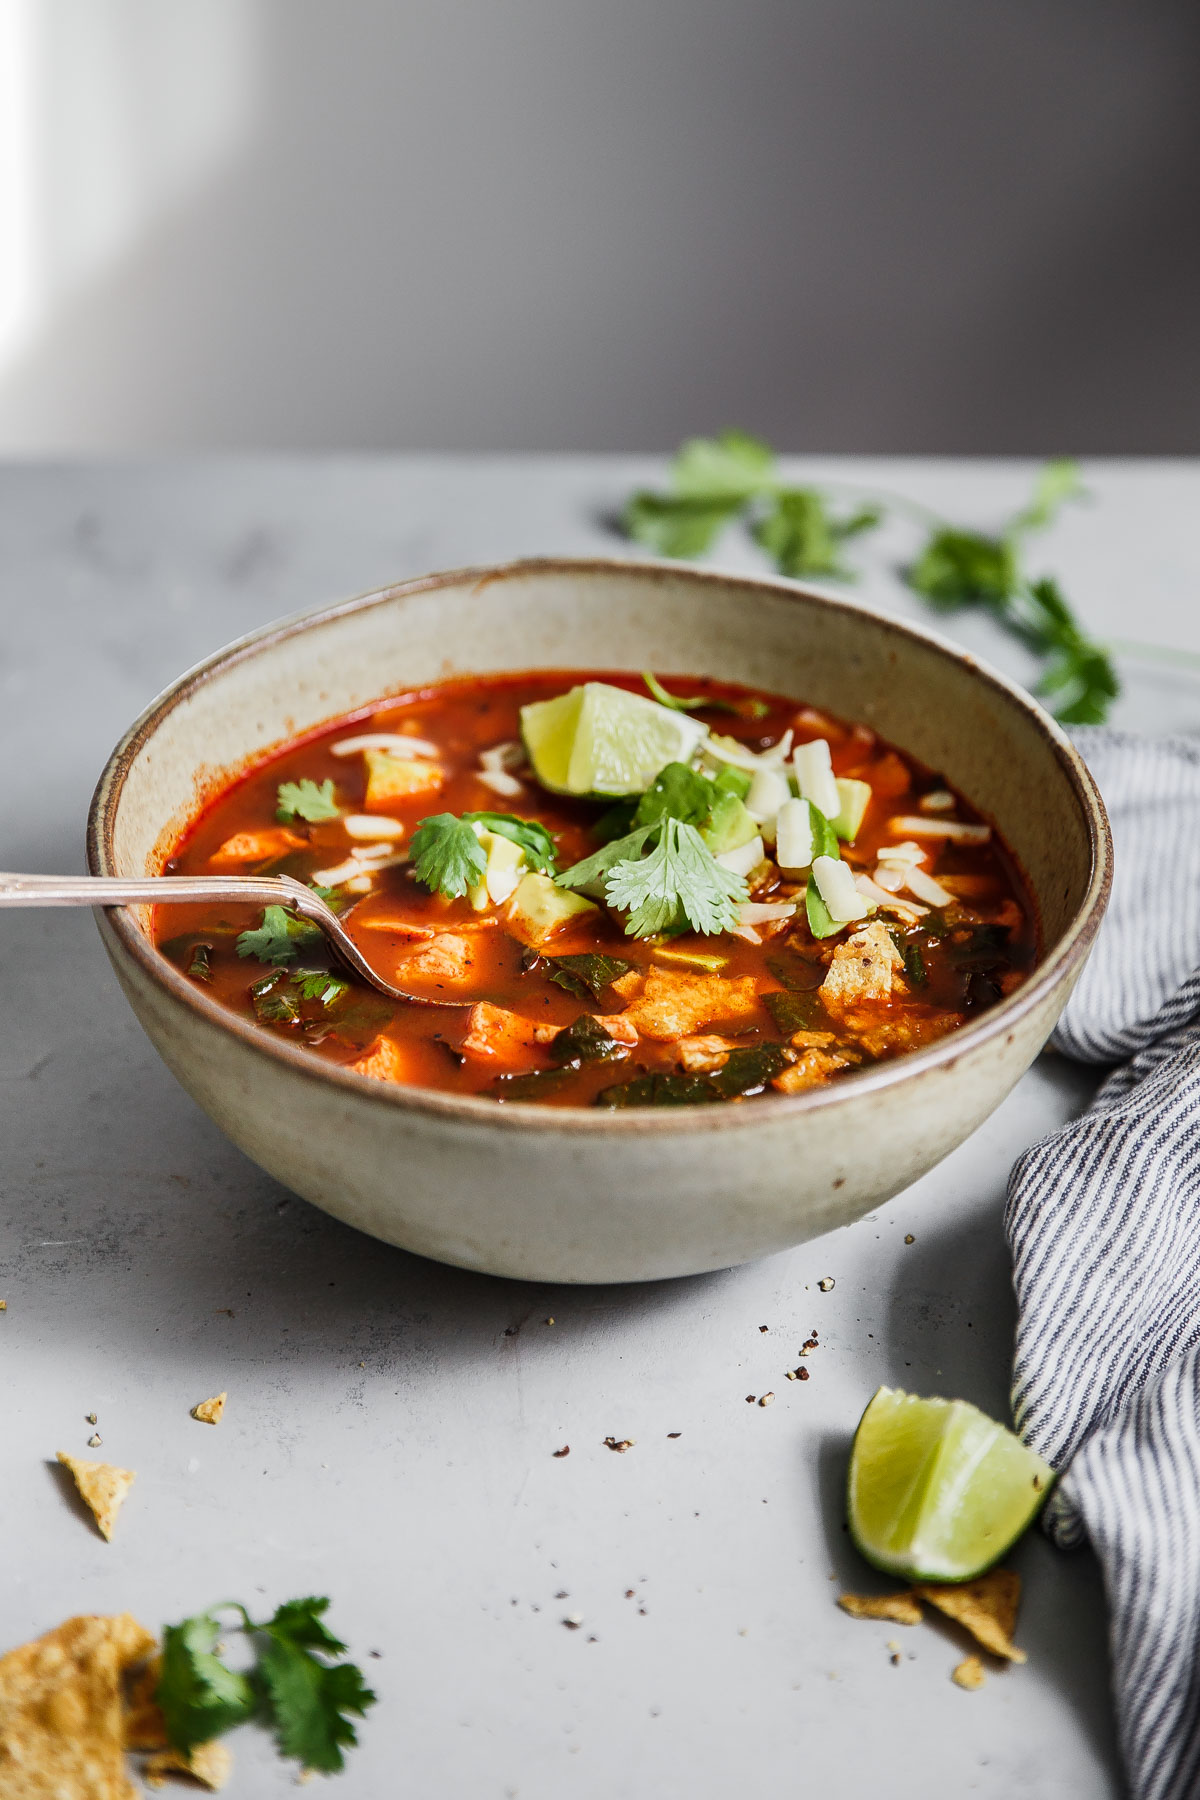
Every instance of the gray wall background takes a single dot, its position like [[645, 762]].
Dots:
[[936, 225]]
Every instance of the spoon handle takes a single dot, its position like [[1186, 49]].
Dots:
[[112, 890]]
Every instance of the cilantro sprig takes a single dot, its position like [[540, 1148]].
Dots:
[[278, 938], [297, 1684], [664, 876], [305, 800], [717, 480], [448, 858]]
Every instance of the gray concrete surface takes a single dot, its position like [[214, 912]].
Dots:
[[391, 1424]]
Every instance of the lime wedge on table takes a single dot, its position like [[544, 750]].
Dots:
[[937, 1490], [598, 739]]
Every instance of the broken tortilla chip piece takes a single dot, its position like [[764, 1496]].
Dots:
[[987, 1608], [900, 1608], [209, 1764], [969, 1674], [209, 1411], [102, 1486], [144, 1727], [61, 1711]]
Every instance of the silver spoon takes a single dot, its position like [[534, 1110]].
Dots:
[[157, 890]]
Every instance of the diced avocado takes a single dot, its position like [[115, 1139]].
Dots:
[[733, 781], [500, 878], [391, 777], [693, 959], [729, 825], [855, 797], [539, 910]]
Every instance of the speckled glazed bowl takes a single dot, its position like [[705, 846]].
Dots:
[[588, 1195]]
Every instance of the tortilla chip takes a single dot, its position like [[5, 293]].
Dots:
[[900, 1608], [144, 1726], [987, 1608], [208, 1764], [969, 1674], [61, 1711], [209, 1411], [102, 1486]]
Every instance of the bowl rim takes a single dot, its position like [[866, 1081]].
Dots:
[[669, 1122]]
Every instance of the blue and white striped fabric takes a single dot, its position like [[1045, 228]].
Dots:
[[1103, 1219]]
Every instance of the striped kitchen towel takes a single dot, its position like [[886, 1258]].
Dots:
[[1103, 1219]]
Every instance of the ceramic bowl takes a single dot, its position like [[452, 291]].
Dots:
[[583, 1195]]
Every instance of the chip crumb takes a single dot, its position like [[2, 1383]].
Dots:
[[565, 1451], [750, 1399], [95, 1441], [3, 1305], [209, 1764], [792, 1374], [901, 1608], [224, 1312], [91, 1419], [802, 1374], [102, 1487], [573, 1621], [209, 1411], [621, 1444], [969, 1674], [909, 1238], [674, 1434], [143, 1726], [764, 1328], [895, 1659], [987, 1608], [549, 1321], [826, 1283], [765, 1399]]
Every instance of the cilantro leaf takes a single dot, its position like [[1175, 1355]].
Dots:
[[803, 535], [273, 1003], [680, 879], [794, 1011], [747, 1071], [200, 1698], [303, 1621], [964, 568], [319, 984], [309, 1701], [585, 1041], [447, 856], [276, 940], [305, 800], [533, 838], [676, 793], [733, 466], [673, 526], [593, 870]]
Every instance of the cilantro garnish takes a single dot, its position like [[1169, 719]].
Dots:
[[448, 858], [756, 709], [585, 1041], [279, 936], [747, 1071], [715, 480], [297, 1686], [679, 880], [319, 984], [305, 800]]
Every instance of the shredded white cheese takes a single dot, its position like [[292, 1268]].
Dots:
[[371, 825], [835, 884], [760, 912], [815, 778], [902, 856], [506, 756], [385, 740], [880, 895], [926, 888], [938, 801], [500, 782], [728, 750], [955, 831], [768, 791]]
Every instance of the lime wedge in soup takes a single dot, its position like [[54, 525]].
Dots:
[[598, 739], [937, 1490]]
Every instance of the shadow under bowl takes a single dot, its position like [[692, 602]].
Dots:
[[579, 1195]]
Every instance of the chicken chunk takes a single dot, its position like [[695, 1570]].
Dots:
[[620, 1028], [813, 1070], [258, 846], [443, 958], [865, 968], [702, 1055], [895, 1037], [391, 777], [382, 1061], [672, 1004], [493, 1031]]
